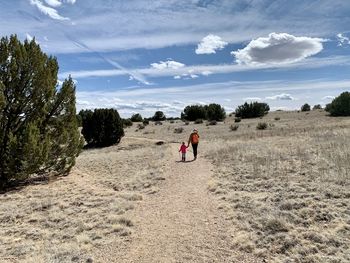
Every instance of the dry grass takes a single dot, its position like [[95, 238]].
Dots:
[[66, 220], [287, 191]]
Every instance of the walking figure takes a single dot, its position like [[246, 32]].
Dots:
[[194, 140], [183, 150]]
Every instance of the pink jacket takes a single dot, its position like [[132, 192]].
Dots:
[[183, 148]]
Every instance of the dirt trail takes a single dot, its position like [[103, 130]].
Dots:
[[180, 223]]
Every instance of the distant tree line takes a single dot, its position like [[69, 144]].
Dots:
[[204, 112]]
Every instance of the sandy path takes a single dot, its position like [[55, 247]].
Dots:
[[180, 223]]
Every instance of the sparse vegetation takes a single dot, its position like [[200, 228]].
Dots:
[[261, 126], [127, 123], [234, 127], [252, 110], [178, 130], [238, 119], [198, 121], [317, 107]]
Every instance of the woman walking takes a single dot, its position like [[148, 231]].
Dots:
[[194, 140]]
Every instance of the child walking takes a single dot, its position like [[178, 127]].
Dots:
[[183, 150]]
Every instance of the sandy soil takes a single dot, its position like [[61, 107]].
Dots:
[[180, 223]]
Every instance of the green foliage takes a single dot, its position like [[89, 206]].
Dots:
[[252, 110], [238, 119], [103, 127], [317, 107], [262, 126], [194, 112], [159, 116], [340, 106], [127, 123], [306, 107], [215, 112], [38, 123], [145, 122], [198, 121], [136, 118], [212, 122]]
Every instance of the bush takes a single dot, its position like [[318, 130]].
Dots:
[[277, 118], [213, 122], [317, 107], [172, 121], [127, 123], [215, 112], [187, 123], [306, 107], [194, 112], [140, 126], [198, 121], [238, 119], [178, 130], [340, 106], [38, 123], [159, 116], [158, 123], [252, 110], [145, 122], [262, 126], [103, 128], [234, 127], [136, 118]]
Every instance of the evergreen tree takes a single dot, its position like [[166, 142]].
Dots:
[[215, 112], [103, 127], [252, 110], [340, 106], [159, 116], [38, 125], [194, 112], [306, 107], [136, 118]]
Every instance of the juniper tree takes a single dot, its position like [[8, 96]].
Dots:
[[38, 125]]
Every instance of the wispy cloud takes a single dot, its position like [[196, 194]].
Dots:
[[277, 48], [185, 71], [49, 11], [343, 40], [210, 44]]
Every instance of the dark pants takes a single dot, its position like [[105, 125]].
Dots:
[[194, 147]]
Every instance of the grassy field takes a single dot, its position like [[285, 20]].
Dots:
[[285, 191]]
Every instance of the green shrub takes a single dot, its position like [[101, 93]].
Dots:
[[187, 122], [38, 122], [127, 123], [215, 112], [158, 116], [234, 127], [140, 126], [103, 128], [238, 119], [158, 123], [198, 121], [252, 110], [194, 112], [262, 126], [172, 121], [136, 118], [340, 106], [277, 118], [317, 107], [212, 122], [306, 107], [145, 122]]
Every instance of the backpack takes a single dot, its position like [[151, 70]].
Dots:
[[195, 138]]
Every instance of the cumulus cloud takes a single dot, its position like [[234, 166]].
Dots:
[[53, 3], [46, 10], [278, 48], [210, 44], [282, 96], [206, 73], [342, 40], [169, 64]]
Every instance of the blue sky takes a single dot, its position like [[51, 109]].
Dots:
[[147, 55]]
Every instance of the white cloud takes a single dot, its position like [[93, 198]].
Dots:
[[343, 40], [210, 44], [53, 3], [282, 96], [206, 73], [328, 98], [49, 11], [169, 64], [278, 48], [177, 77]]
